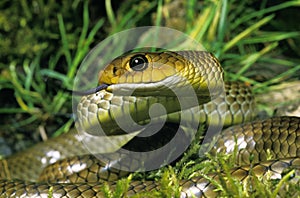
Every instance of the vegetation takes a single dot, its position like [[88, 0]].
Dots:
[[44, 42]]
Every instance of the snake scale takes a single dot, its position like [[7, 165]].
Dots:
[[63, 167]]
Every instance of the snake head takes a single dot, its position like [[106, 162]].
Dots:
[[159, 73]]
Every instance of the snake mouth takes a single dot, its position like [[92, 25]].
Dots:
[[91, 91]]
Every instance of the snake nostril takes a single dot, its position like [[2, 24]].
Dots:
[[114, 70], [138, 62]]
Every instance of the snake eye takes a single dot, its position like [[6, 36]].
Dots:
[[138, 62]]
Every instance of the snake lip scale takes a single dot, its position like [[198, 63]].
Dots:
[[64, 167]]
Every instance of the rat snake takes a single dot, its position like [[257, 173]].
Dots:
[[64, 167]]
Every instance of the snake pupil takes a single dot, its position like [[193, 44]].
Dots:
[[138, 62]]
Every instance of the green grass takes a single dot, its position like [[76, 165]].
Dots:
[[38, 75], [31, 90]]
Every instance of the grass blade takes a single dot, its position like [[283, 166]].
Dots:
[[246, 33]]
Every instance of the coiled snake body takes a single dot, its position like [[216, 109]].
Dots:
[[153, 77]]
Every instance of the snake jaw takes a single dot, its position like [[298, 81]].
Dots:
[[91, 91]]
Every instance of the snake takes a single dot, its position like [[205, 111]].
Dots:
[[127, 87]]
